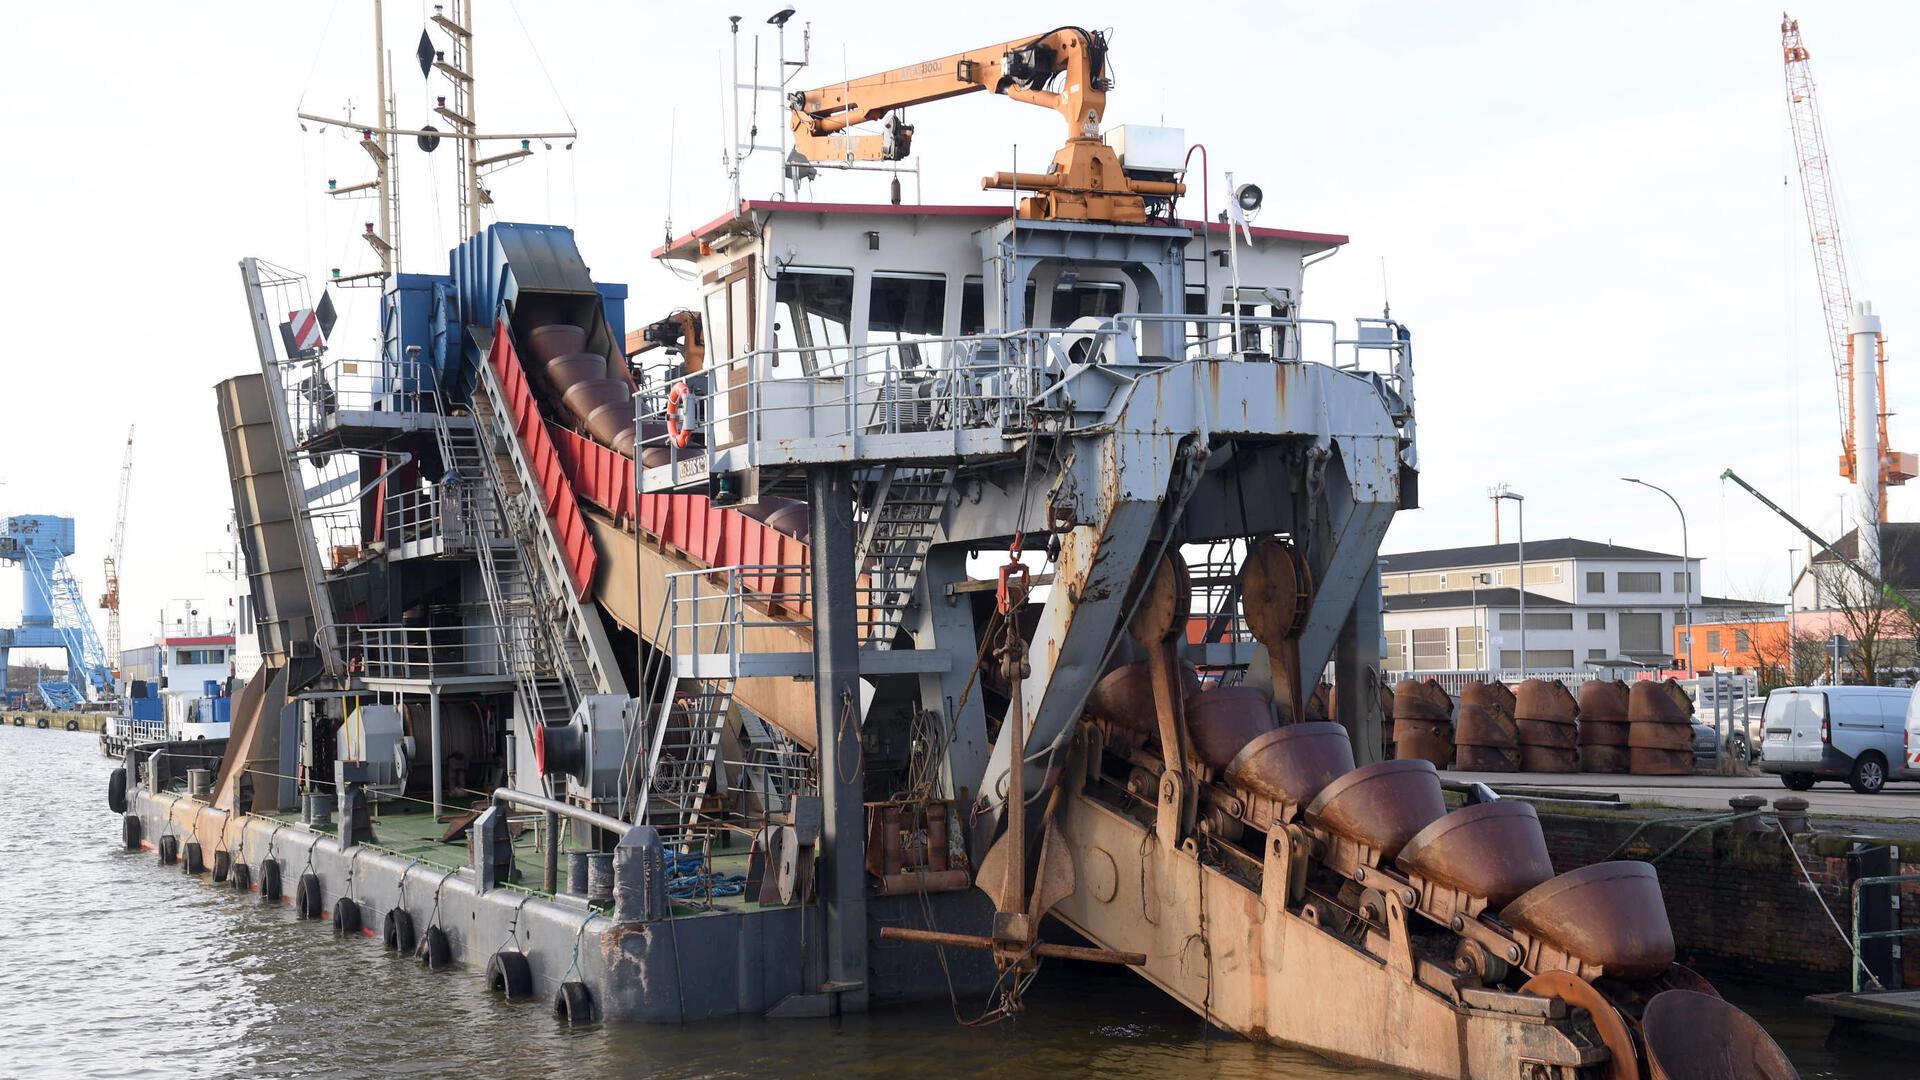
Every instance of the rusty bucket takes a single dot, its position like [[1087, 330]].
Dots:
[[1609, 914], [1493, 850], [1695, 1036], [1293, 764], [1414, 700], [1603, 700], [1124, 696], [1658, 702], [1549, 759], [1605, 759], [1382, 805], [1223, 721], [558, 339], [1545, 699], [1423, 740]]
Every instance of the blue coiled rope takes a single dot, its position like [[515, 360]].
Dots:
[[688, 879]]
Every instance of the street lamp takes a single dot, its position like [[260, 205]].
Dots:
[[1479, 622], [1686, 565], [1520, 505]]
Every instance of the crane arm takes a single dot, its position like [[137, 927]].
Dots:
[[1020, 69], [1887, 591]]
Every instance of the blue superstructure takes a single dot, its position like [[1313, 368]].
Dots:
[[53, 614]]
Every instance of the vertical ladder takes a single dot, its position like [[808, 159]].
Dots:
[[905, 511]]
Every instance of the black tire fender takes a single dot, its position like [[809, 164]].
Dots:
[[346, 916], [168, 849], [222, 865], [434, 948], [40, 722], [509, 973], [242, 877], [117, 790], [270, 880], [398, 933], [306, 896], [573, 1003], [193, 859], [130, 831], [73, 725]]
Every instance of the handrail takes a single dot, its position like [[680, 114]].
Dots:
[[1859, 935], [566, 810]]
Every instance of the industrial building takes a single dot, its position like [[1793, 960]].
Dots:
[[1587, 603]]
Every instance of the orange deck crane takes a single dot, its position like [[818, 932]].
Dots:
[[1830, 265], [1086, 182]]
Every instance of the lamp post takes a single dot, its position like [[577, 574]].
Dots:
[[1686, 566], [1520, 505], [1479, 623]]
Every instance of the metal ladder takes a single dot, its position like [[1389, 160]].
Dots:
[[682, 752], [906, 506], [550, 682]]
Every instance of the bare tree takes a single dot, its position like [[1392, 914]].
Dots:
[[1807, 658], [1880, 632]]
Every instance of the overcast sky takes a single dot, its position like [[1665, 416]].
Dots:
[[1586, 212]]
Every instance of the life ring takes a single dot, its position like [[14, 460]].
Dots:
[[676, 431]]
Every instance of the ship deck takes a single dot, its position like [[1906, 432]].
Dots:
[[415, 834]]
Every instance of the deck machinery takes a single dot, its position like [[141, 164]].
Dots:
[[963, 576]]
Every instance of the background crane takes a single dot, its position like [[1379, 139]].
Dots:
[[1830, 266], [110, 600]]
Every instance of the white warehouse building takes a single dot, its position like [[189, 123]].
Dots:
[[1588, 604]]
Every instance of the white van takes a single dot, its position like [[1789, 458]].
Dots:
[[1852, 733]]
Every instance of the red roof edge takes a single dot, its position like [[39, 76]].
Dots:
[[953, 210], [204, 639]]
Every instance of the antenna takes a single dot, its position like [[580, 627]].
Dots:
[[1497, 492], [1386, 303], [455, 64]]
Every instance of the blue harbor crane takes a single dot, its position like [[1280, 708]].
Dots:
[[52, 613]]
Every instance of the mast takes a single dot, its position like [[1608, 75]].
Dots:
[[381, 140]]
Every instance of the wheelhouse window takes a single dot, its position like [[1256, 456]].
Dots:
[[903, 310], [1081, 299], [813, 318]]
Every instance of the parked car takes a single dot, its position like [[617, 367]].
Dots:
[[1852, 733]]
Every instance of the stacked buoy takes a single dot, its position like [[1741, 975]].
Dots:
[[1659, 729], [1484, 736], [1422, 722], [1549, 738], [1603, 727]]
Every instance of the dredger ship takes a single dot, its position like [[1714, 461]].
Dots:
[[945, 592]]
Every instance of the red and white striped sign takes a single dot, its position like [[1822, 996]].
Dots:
[[305, 327]]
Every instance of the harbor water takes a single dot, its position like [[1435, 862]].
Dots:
[[114, 966]]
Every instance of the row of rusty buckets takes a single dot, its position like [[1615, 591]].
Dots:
[[1645, 728]]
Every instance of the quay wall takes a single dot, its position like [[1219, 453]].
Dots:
[[1740, 902]]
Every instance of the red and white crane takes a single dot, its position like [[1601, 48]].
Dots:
[[110, 600], [1853, 333]]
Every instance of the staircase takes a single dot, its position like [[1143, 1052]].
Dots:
[[905, 510], [680, 756], [550, 679]]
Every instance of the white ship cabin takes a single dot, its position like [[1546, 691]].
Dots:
[[884, 293], [191, 664]]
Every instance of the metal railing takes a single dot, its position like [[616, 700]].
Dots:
[[426, 652], [319, 389], [1859, 962], [842, 392]]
